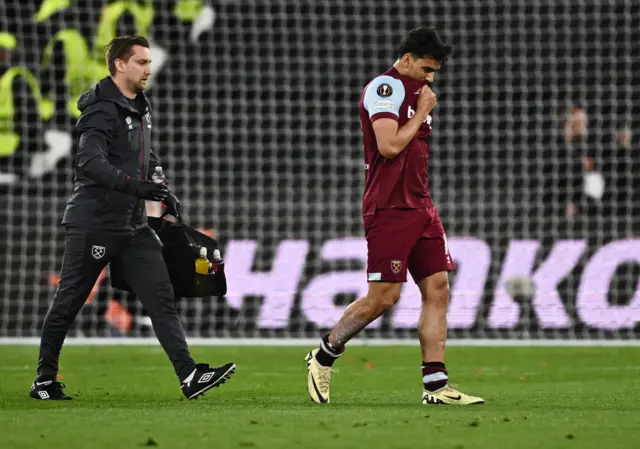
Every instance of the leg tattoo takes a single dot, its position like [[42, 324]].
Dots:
[[348, 328]]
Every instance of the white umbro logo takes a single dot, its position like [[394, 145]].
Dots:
[[98, 252], [43, 394], [206, 377]]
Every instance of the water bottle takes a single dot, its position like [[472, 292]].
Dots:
[[154, 208], [158, 176]]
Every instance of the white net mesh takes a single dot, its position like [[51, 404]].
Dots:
[[534, 159]]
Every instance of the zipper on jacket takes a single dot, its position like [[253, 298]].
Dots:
[[133, 212], [142, 147]]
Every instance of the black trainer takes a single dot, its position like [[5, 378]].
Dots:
[[48, 390], [204, 378]]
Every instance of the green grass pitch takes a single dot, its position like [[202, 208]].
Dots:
[[128, 397]]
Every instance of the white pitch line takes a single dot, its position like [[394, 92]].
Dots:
[[99, 341]]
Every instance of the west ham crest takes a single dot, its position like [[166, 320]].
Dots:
[[98, 252], [396, 265]]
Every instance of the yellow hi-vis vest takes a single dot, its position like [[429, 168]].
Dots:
[[9, 140]]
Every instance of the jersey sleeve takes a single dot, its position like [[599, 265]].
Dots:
[[383, 98]]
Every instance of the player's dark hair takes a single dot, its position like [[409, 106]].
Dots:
[[422, 42], [122, 48]]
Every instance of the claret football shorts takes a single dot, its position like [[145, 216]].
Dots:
[[405, 239]]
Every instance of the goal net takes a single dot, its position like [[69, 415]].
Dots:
[[534, 164]]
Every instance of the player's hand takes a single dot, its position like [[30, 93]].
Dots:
[[426, 101]]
